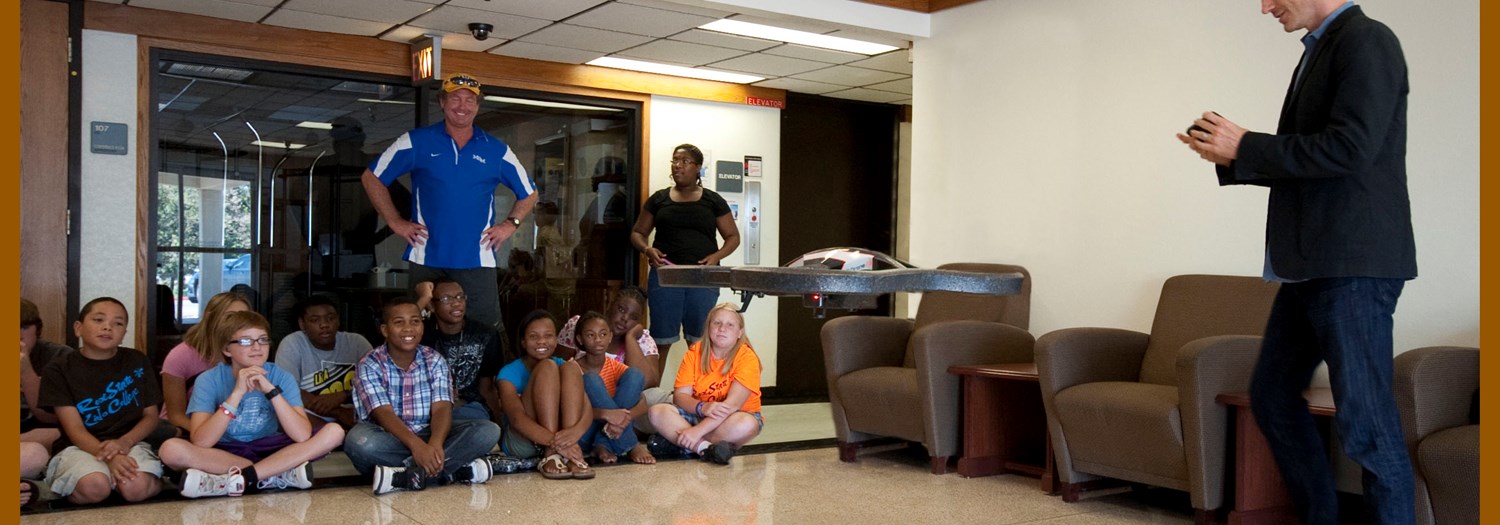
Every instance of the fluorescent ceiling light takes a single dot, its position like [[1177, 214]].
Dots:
[[273, 144], [315, 125], [736, 27], [378, 101], [680, 71], [546, 104]]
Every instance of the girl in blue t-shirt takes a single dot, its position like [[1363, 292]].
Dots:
[[546, 411], [249, 430]]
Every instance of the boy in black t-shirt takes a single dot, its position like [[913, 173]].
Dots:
[[473, 349], [105, 397]]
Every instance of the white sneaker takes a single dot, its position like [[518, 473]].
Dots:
[[197, 483], [299, 477], [480, 471], [391, 479]]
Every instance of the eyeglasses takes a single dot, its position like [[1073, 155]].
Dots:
[[450, 299], [246, 342], [464, 81], [676, 162]]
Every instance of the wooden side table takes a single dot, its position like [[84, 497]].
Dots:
[[1005, 426], [1260, 495]]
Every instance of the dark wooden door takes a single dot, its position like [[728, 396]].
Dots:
[[838, 177]]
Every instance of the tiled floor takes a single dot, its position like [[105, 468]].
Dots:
[[803, 486]]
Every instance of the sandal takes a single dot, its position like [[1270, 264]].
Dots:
[[34, 494], [553, 467], [581, 470]]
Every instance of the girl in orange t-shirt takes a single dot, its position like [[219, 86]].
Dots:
[[715, 406]]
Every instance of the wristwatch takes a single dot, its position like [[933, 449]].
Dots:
[[273, 393], [514, 221]]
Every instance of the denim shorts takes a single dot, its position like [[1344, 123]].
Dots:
[[675, 310], [693, 419]]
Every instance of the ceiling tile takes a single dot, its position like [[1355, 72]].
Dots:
[[547, 9], [849, 76], [769, 65], [452, 41], [800, 24], [587, 38], [456, 20], [812, 53], [627, 18], [683, 53], [216, 8], [897, 61], [680, 7], [325, 23], [898, 86], [519, 49], [868, 95], [800, 86], [870, 35], [714, 38], [389, 11]]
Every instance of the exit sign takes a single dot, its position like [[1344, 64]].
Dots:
[[426, 59]]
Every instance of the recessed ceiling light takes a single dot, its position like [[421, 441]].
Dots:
[[273, 144], [680, 71], [315, 125], [379, 101], [805, 38], [546, 104]]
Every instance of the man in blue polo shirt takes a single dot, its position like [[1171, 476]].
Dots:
[[455, 169]]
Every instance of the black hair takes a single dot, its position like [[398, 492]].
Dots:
[[535, 315], [310, 301], [89, 307], [30, 316], [584, 319], [443, 279], [695, 153], [630, 292], [385, 310]]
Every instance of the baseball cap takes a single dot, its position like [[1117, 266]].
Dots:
[[458, 81]]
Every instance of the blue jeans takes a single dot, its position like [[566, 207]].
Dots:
[[674, 309], [1345, 321], [369, 445], [472, 410], [627, 395]]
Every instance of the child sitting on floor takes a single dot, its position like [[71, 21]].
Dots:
[[249, 429], [544, 404], [716, 405], [406, 437], [615, 392], [105, 398]]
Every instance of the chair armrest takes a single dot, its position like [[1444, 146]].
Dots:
[[858, 342], [1206, 368], [938, 346], [1434, 387], [1073, 356]]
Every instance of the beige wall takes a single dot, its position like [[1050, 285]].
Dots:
[[1043, 135]]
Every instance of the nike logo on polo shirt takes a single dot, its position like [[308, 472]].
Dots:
[[480, 159], [436, 154]]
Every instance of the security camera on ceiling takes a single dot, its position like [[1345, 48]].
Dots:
[[480, 30]]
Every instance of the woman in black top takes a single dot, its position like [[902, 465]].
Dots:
[[685, 217]]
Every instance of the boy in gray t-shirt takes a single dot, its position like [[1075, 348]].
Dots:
[[322, 359]]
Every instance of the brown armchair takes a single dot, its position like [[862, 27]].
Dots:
[[1435, 389], [889, 377], [1140, 407]]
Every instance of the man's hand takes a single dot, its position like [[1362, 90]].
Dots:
[[429, 457], [1218, 142], [495, 235], [415, 234]]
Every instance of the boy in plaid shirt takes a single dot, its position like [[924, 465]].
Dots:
[[403, 396]]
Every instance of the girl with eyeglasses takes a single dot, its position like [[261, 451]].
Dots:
[[249, 430], [685, 217], [192, 356]]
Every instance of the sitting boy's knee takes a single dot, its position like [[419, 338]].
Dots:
[[93, 488], [141, 488]]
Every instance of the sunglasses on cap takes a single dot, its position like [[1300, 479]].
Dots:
[[460, 81]]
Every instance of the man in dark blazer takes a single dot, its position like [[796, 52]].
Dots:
[[1339, 238]]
